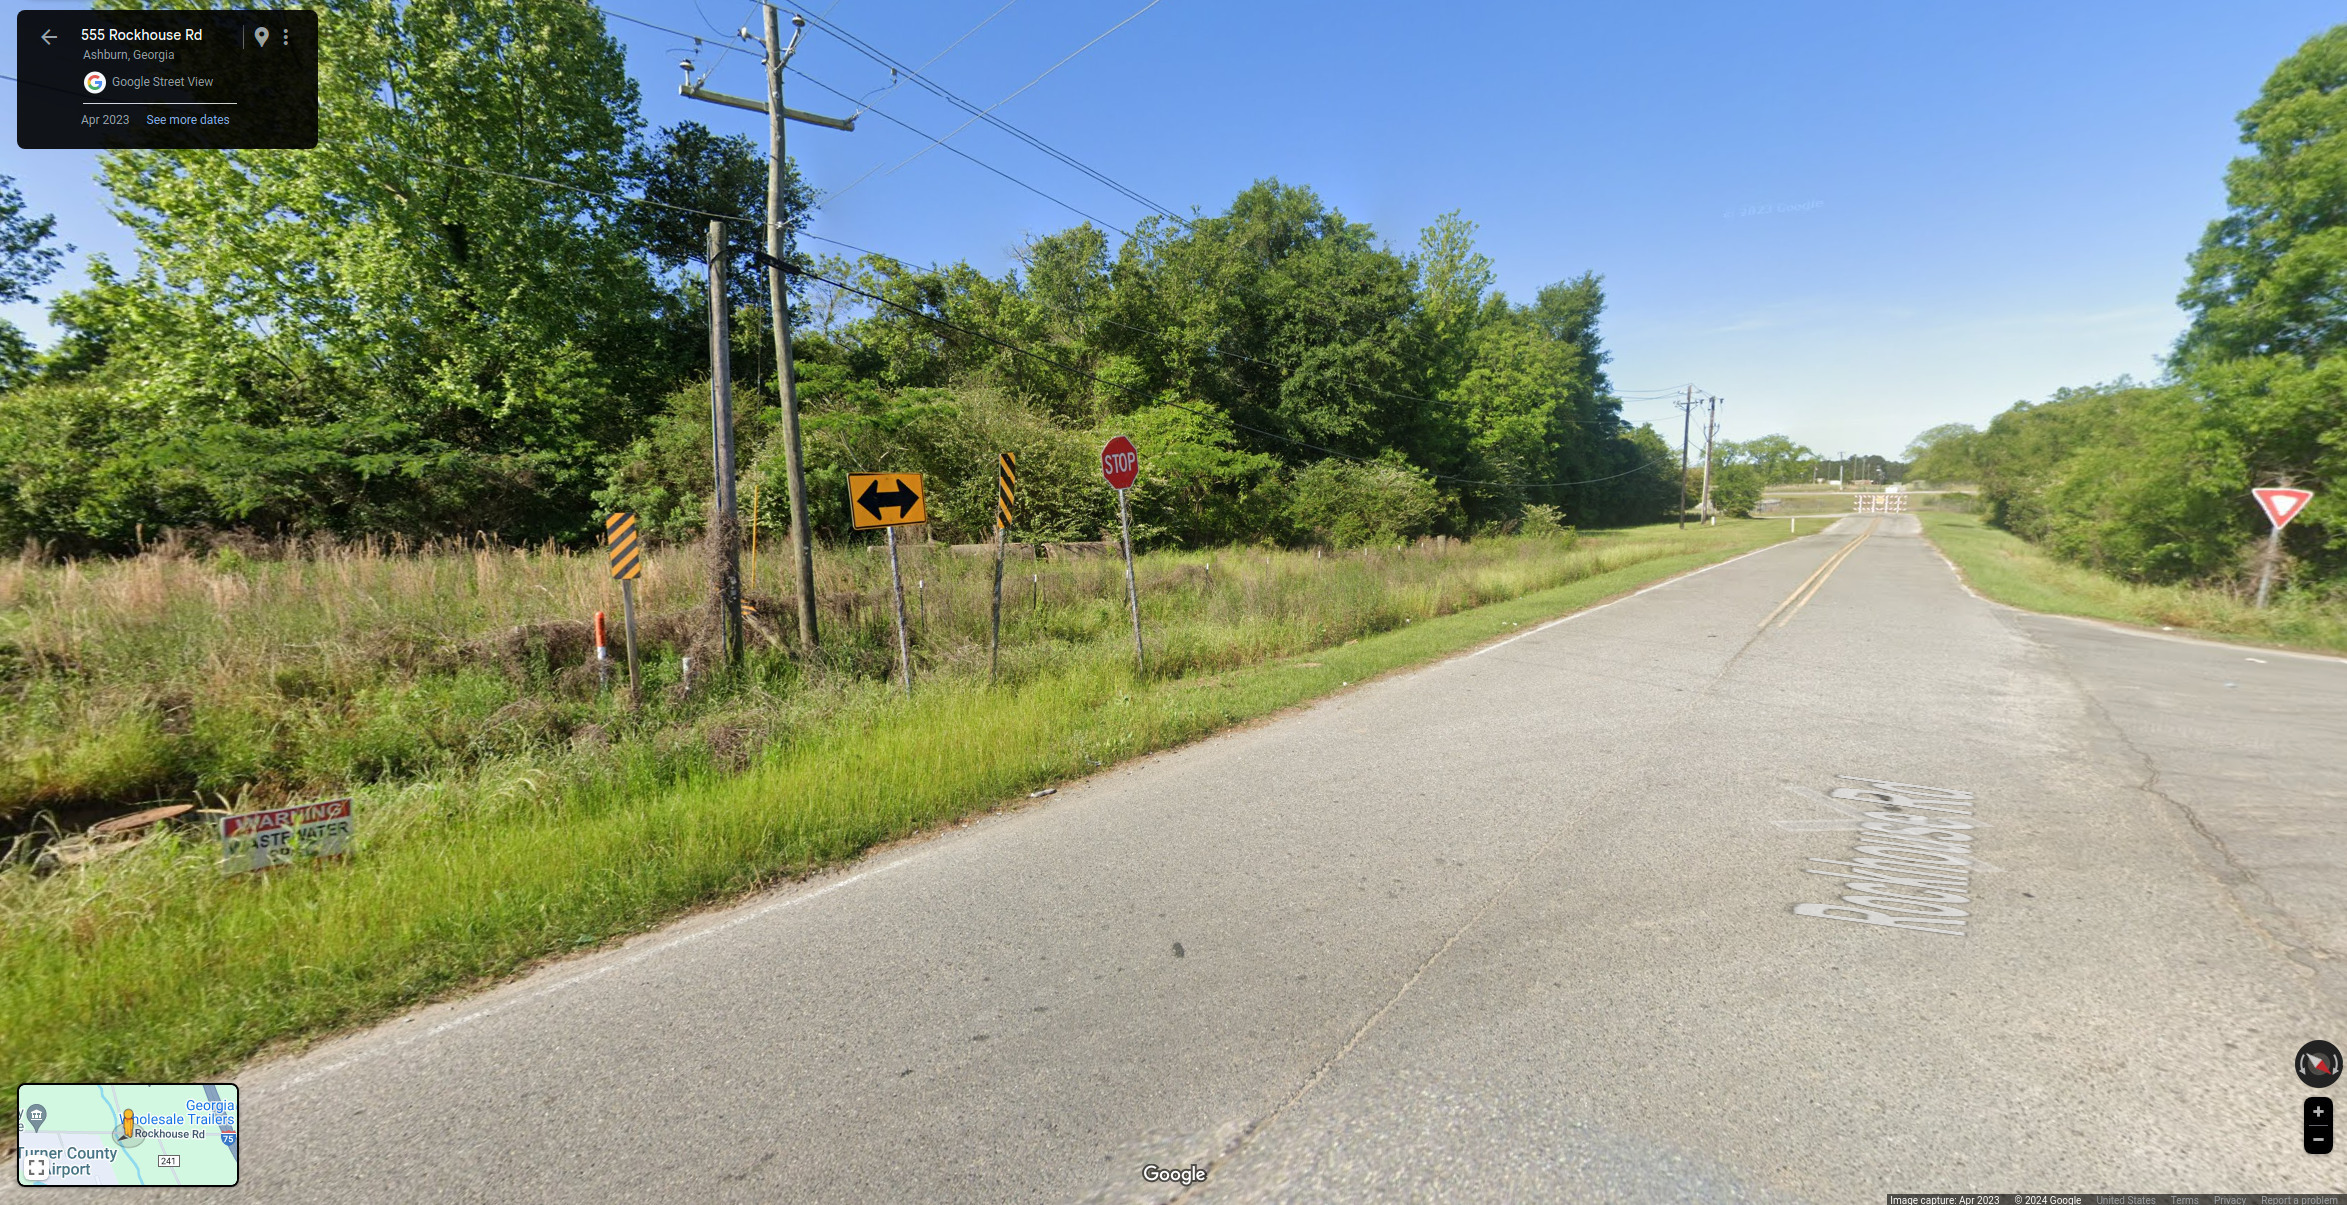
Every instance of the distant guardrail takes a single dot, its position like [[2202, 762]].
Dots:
[[1878, 504]]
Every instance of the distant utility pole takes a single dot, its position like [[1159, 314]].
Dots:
[[726, 530], [1711, 426], [778, 292], [1686, 420]]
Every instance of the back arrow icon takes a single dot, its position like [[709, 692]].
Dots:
[[45, 38]]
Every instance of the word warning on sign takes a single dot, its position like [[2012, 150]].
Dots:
[[259, 840]]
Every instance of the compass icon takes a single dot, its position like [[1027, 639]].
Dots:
[[2318, 1064]]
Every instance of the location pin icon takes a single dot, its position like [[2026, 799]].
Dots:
[[36, 1115], [261, 35]]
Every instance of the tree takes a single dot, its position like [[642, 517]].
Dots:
[[2271, 275], [370, 336], [689, 168], [2268, 293], [1284, 315], [1777, 458], [26, 259], [26, 262], [1945, 453]]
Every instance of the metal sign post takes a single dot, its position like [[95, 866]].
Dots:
[[1120, 466], [627, 564], [904, 647], [2281, 504], [1006, 483], [868, 507]]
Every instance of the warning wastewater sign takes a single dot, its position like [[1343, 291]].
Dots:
[[257, 840]]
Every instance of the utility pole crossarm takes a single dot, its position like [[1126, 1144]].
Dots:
[[758, 106]]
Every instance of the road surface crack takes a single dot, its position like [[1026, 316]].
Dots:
[[1246, 1136], [2249, 894]]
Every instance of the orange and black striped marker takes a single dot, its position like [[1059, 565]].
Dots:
[[626, 547], [1006, 485]]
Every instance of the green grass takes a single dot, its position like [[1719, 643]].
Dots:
[[2012, 571], [145, 963]]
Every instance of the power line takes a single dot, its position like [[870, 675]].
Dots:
[[1070, 57], [593, 192], [956, 150], [697, 37], [896, 67], [941, 92], [801, 270], [862, 107]]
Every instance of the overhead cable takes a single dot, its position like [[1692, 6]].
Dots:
[[943, 93], [940, 141], [955, 150], [804, 271]]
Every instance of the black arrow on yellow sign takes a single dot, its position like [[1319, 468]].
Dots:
[[873, 503]]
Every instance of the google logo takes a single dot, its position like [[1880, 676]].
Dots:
[[95, 82]]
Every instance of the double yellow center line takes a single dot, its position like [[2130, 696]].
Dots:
[[1808, 589]]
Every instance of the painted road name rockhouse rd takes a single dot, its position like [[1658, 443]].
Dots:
[[1912, 867]]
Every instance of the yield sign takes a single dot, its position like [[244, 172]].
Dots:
[[2282, 505]]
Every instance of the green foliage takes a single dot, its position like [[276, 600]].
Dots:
[[1946, 453], [1735, 488], [538, 841], [1197, 485], [2153, 484], [2023, 575], [2137, 482], [25, 258], [1350, 504], [2270, 277], [1776, 457], [358, 338], [1545, 521], [369, 339], [668, 475]]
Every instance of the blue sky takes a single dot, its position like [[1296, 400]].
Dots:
[[1852, 221]]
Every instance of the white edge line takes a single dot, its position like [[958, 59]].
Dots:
[[1674, 578], [2128, 630], [572, 981], [663, 947]]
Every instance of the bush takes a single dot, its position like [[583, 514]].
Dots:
[[1735, 489], [1350, 504], [668, 475], [1542, 520]]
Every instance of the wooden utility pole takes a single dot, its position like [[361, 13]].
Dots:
[[1686, 420], [1710, 428], [726, 530], [778, 296], [802, 539]]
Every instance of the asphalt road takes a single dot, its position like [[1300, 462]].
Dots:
[[1518, 926]]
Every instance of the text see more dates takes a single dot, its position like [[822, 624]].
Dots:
[[167, 80]]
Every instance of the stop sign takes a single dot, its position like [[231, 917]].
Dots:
[[1120, 463]]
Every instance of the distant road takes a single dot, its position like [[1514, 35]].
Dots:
[[1516, 927]]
